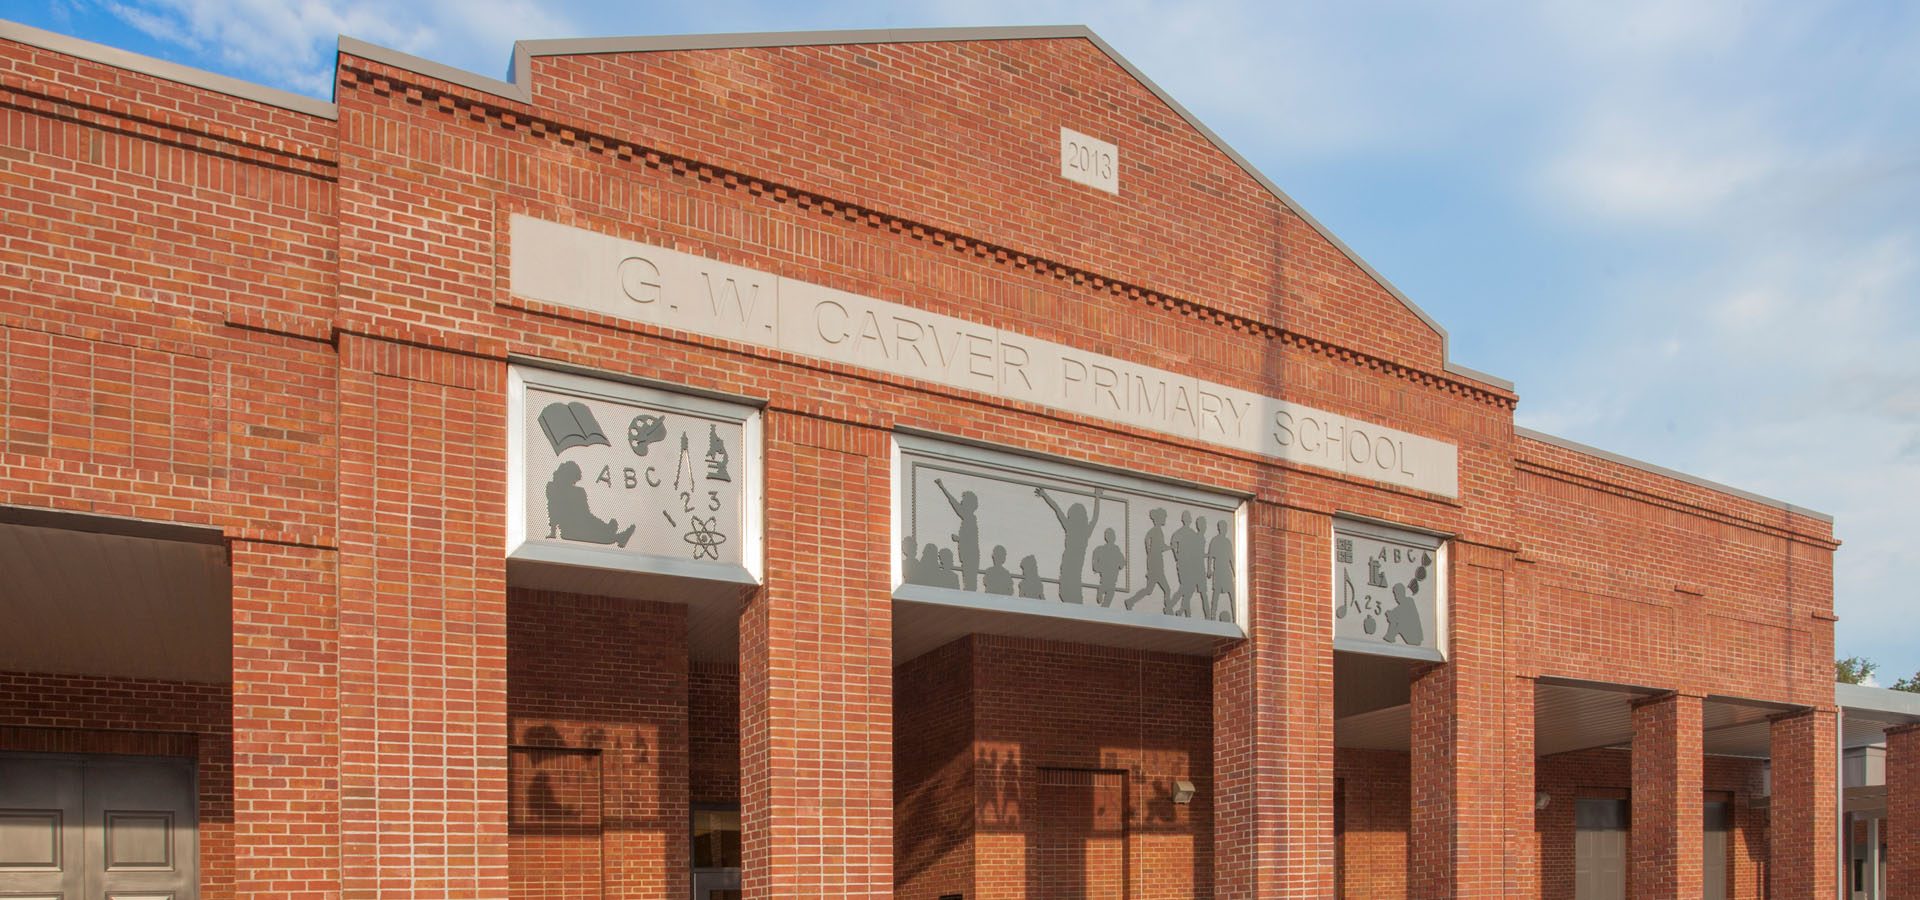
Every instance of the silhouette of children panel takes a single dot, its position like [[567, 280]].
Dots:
[[623, 474], [1054, 535], [1386, 590]]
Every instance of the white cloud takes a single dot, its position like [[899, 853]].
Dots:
[[1653, 162], [291, 44], [1645, 28]]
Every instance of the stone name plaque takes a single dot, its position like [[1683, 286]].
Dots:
[[982, 528], [577, 268], [1389, 591], [615, 475], [1089, 161]]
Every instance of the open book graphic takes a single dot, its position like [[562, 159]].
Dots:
[[571, 425]]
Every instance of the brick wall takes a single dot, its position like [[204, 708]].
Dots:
[[713, 733], [602, 684], [1043, 708], [1901, 830], [934, 811], [1034, 769], [1375, 800]]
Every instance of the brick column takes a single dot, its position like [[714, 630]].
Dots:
[[286, 751], [816, 670], [1523, 841], [1803, 858], [1669, 817], [1902, 827], [1458, 842], [1273, 718], [423, 700]]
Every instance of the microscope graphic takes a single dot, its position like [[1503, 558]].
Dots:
[[716, 456]]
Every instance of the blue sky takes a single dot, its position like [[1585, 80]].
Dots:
[[1689, 231]]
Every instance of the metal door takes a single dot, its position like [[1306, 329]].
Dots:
[[1600, 849], [107, 827], [1714, 859], [41, 848]]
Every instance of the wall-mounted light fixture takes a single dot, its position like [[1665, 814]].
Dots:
[[1183, 791], [1542, 800]]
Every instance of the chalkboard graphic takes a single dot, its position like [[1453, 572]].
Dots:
[[569, 425], [644, 431], [568, 515], [589, 490], [716, 455]]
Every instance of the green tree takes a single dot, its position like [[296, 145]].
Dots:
[[1910, 684], [1857, 669]]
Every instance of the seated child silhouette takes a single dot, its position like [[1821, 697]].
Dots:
[[569, 517]]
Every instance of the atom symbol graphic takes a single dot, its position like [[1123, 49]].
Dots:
[[706, 540]]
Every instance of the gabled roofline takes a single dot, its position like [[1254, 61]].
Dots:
[[1677, 475], [524, 51], [169, 71]]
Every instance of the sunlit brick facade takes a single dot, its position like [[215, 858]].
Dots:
[[287, 341]]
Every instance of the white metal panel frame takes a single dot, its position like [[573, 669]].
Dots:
[[524, 374], [1439, 544]]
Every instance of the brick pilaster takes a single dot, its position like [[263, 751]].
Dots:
[[286, 751], [1523, 838], [816, 670], [1458, 840], [423, 706], [1902, 827], [1273, 719], [1804, 826], [1668, 796]]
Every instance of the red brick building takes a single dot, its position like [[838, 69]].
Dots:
[[922, 464]]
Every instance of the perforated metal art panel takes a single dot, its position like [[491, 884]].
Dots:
[[1388, 586], [993, 530], [620, 476]]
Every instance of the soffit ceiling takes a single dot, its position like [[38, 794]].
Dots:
[[1569, 718], [83, 603]]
